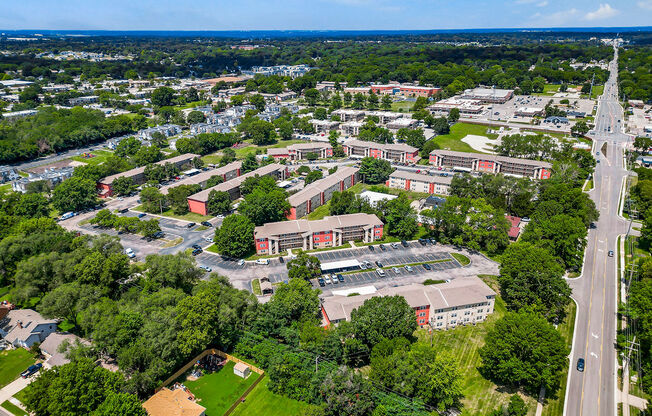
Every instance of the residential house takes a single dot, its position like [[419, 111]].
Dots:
[[24, 327]]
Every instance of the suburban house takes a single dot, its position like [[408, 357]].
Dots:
[[175, 402], [137, 175], [320, 192], [461, 301], [480, 162], [417, 182], [24, 327], [395, 152], [53, 342], [198, 202], [275, 237], [299, 151]]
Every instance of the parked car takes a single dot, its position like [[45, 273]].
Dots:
[[130, 253], [158, 234], [262, 261], [433, 241], [196, 246], [31, 370], [321, 282], [190, 225], [334, 279], [123, 210], [327, 279], [422, 241], [409, 269], [382, 247], [580, 365], [366, 263], [397, 270], [379, 264], [427, 266], [363, 266], [404, 243], [206, 224], [380, 272], [281, 259], [208, 269], [394, 245], [371, 248], [141, 215], [241, 262], [208, 239], [197, 251], [340, 278]]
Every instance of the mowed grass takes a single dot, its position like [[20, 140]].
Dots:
[[218, 391], [190, 216], [263, 402], [100, 157], [453, 140], [12, 363], [15, 410], [406, 106]]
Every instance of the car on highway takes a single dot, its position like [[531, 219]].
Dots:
[[262, 261], [426, 266], [190, 225], [611, 253], [580, 365], [31, 370], [206, 224]]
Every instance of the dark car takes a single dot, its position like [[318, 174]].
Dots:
[[141, 215], [433, 241], [427, 266], [158, 234], [382, 247], [123, 210], [197, 251], [196, 246], [192, 224], [580, 365], [281, 259], [340, 278], [371, 248], [422, 241], [206, 224], [321, 281], [31, 370], [404, 243], [611, 253], [379, 264]]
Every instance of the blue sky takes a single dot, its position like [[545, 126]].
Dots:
[[319, 14]]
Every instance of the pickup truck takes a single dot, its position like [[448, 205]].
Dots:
[[31, 370]]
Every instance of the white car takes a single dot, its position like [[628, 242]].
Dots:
[[327, 279], [397, 270], [208, 239], [208, 269], [130, 253], [241, 262], [409, 269], [262, 261]]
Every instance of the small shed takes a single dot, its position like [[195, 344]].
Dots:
[[241, 370]]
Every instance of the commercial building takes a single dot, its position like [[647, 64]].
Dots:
[[479, 162], [529, 111], [402, 123], [227, 172], [488, 95], [137, 175], [417, 182], [198, 202], [276, 237], [299, 151], [405, 90], [466, 107], [319, 192], [461, 301], [396, 152]]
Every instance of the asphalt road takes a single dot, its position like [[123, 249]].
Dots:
[[593, 392]]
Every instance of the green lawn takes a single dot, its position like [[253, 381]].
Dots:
[[461, 258], [320, 212], [453, 140], [597, 91], [12, 363], [262, 402], [190, 216], [406, 106], [100, 157], [17, 411], [218, 391]]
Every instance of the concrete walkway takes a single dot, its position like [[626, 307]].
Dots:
[[14, 387]]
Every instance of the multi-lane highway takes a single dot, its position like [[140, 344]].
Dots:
[[594, 391]]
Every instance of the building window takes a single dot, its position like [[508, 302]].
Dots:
[[422, 314], [421, 321], [453, 315]]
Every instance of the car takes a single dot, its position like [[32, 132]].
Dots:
[[404, 243], [31, 370], [219, 217], [208, 239], [382, 247], [130, 253], [433, 241], [427, 266], [340, 278], [141, 215], [397, 270], [597, 161], [379, 264], [371, 248], [123, 210], [208, 269], [380, 272], [206, 224], [611, 253], [409, 269], [422, 241], [197, 251], [196, 246], [241, 262], [394, 246], [327, 279], [580, 365], [190, 225], [321, 282], [262, 261], [597, 153], [281, 259], [366, 263], [158, 234], [334, 279], [363, 266]]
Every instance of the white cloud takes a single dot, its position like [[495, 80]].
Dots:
[[544, 3], [537, 3], [605, 11], [645, 4]]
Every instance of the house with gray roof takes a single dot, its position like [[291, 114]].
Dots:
[[24, 327]]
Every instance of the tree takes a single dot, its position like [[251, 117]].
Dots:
[[261, 132], [249, 163], [312, 95], [219, 202], [347, 393], [214, 181], [386, 102], [32, 206], [563, 235], [257, 101], [531, 276], [285, 129], [294, 302], [235, 238], [372, 101], [120, 404], [454, 115], [228, 156], [440, 126], [262, 206], [127, 147], [303, 266], [413, 138], [320, 113], [375, 170], [153, 200], [178, 197], [195, 117], [642, 144], [524, 350], [74, 194], [369, 321], [580, 128], [162, 96], [171, 270], [399, 217], [123, 185], [147, 154], [149, 227], [313, 176]]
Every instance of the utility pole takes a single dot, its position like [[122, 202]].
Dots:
[[591, 90]]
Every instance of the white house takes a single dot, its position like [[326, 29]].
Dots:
[[24, 327]]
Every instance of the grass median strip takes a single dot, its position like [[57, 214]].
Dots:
[[461, 258]]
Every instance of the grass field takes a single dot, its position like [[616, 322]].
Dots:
[[17, 411], [320, 212], [191, 216], [100, 157], [12, 363], [406, 106], [218, 391], [262, 402], [597, 91], [461, 258], [453, 140]]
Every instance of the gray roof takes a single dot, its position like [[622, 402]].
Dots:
[[319, 186], [235, 182], [51, 344], [19, 324], [137, 171], [496, 158], [419, 177], [204, 176], [401, 147], [457, 293], [335, 222]]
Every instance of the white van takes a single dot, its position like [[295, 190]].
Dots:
[[380, 272], [262, 261]]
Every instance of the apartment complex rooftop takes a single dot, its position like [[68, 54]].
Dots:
[[400, 147], [326, 224], [140, 170], [235, 182], [412, 176], [319, 186], [204, 176], [489, 157]]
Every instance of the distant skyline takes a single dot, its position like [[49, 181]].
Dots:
[[320, 14]]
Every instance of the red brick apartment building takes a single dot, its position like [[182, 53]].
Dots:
[[299, 151], [480, 162], [418, 182], [461, 301], [395, 152], [275, 237], [319, 192], [137, 175]]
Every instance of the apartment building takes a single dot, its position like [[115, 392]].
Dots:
[[402, 123], [137, 175], [461, 301], [466, 107], [417, 182], [479, 162], [351, 128], [319, 192], [299, 151], [404, 90], [488, 95], [275, 237], [324, 126], [395, 152], [198, 202], [385, 117], [227, 172], [349, 115]]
